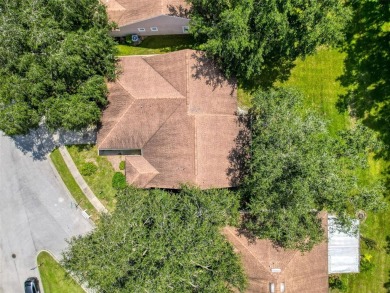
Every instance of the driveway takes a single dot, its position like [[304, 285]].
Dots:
[[36, 211]]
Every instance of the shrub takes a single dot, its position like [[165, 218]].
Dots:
[[370, 243], [122, 165], [119, 181], [365, 263], [87, 169], [336, 283]]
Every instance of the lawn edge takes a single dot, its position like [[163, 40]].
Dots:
[[58, 175], [56, 260]]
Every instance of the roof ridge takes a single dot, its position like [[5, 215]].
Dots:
[[144, 58], [162, 124], [124, 112], [208, 114], [254, 256], [287, 264], [187, 113]]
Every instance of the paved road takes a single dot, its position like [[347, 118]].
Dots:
[[35, 210]]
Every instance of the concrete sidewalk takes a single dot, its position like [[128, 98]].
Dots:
[[80, 181]]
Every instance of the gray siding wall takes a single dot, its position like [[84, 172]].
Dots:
[[167, 25]]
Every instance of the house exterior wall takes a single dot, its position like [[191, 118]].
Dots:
[[167, 25]]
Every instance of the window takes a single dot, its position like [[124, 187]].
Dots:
[[123, 152], [185, 29], [154, 29], [141, 29]]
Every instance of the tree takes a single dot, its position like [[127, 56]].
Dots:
[[54, 59], [297, 169], [156, 241], [367, 73], [254, 39]]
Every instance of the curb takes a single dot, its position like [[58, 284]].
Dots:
[[55, 258], [80, 181], [58, 176]]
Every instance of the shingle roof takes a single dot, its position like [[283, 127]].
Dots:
[[125, 12], [180, 111], [300, 273]]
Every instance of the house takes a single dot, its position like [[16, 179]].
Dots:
[[271, 269], [173, 117], [148, 17]]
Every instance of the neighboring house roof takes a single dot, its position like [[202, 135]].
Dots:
[[343, 249], [180, 111], [266, 264], [125, 12]]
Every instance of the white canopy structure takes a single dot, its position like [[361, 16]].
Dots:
[[343, 249]]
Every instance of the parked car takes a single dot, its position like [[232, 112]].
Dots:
[[31, 285]]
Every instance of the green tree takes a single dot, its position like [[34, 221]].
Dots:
[[367, 73], [254, 39], [297, 169], [157, 241], [54, 58]]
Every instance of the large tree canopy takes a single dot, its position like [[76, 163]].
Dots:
[[54, 56], [157, 241], [297, 169], [257, 38]]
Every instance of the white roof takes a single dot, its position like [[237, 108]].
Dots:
[[343, 249]]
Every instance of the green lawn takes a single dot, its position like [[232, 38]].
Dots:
[[316, 77], [72, 185], [54, 278], [158, 45], [100, 182]]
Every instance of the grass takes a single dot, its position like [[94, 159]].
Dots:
[[54, 278], [72, 185], [99, 182], [316, 77], [158, 45], [243, 98], [376, 227]]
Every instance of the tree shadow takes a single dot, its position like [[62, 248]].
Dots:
[[387, 247], [367, 68], [178, 11], [387, 285], [239, 155], [41, 141], [205, 68]]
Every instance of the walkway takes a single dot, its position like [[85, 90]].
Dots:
[[80, 181]]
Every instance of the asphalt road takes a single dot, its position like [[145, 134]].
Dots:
[[36, 211]]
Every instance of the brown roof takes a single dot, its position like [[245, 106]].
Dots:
[[180, 111], [125, 12], [300, 273]]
